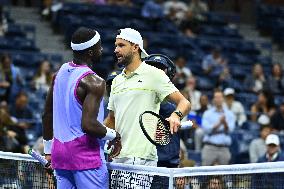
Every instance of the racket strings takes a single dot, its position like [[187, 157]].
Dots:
[[162, 133]]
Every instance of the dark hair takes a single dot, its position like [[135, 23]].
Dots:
[[82, 35], [4, 56], [269, 98]]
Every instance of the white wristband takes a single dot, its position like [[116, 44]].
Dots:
[[110, 134], [47, 144]]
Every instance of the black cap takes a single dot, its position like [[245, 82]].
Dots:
[[163, 62]]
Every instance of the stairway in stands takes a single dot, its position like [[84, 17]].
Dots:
[[249, 32], [46, 40]]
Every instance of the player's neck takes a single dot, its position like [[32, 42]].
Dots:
[[132, 66], [80, 61]]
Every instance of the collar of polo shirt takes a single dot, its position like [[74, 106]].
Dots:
[[138, 71]]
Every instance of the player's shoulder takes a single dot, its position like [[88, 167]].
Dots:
[[93, 82], [153, 71]]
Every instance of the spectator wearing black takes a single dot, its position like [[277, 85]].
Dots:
[[168, 156], [276, 79], [277, 119], [10, 79], [189, 25], [21, 111], [263, 105], [12, 136]]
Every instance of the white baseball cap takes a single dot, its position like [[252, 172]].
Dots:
[[229, 91], [272, 139], [133, 36]]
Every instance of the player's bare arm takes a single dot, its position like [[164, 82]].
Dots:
[[47, 122], [90, 91], [110, 120], [183, 106]]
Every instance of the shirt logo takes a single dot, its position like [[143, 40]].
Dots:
[[71, 69], [139, 81]]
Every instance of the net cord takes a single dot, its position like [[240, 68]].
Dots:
[[270, 167]]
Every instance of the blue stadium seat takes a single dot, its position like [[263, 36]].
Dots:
[[205, 83]]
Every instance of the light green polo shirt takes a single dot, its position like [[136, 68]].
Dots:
[[142, 90]]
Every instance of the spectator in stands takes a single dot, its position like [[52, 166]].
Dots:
[[264, 105], [215, 182], [255, 82], [198, 8], [177, 9], [217, 122], [235, 106], [276, 80], [12, 135], [193, 93], [125, 3], [199, 132], [277, 119], [225, 78], [273, 151], [189, 25], [257, 147], [43, 77], [21, 111], [153, 9], [182, 72], [214, 63], [3, 22], [10, 80]]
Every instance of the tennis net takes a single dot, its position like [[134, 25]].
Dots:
[[21, 171]]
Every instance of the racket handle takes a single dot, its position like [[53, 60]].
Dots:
[[38, 157], [186, 125]]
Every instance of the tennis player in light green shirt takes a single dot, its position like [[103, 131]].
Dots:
[[140, 87]]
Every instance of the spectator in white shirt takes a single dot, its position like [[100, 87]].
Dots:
[[235, 106]]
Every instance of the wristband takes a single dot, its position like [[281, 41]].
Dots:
[[47, 144], [110, 134]]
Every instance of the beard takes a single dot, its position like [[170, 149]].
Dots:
[[125, 60]]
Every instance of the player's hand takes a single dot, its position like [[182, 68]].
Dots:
[[116, 143], [174, 123], [48, 158]]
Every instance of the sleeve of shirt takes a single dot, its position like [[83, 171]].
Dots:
[[207, 123], [231, 120], [163, 85], [110, 100]]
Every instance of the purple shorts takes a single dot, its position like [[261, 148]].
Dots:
[[83, 179]]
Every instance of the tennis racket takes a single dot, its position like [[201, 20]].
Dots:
[[38, 157], [157, 129]]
